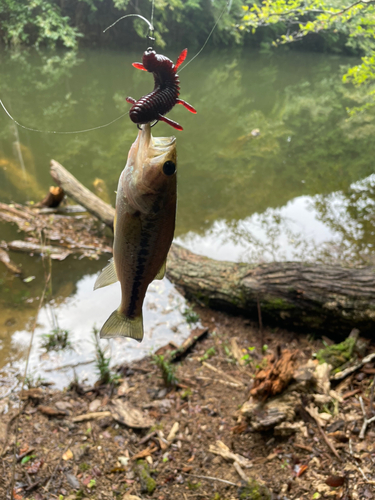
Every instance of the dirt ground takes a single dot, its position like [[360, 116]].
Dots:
[[117, 451]]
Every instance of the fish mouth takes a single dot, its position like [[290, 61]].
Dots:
[[151, 150]]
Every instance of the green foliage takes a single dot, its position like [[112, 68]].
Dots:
[[27, 459], [334, 19], [208, 354], [32, 381], [103, 362], [36, 23], [53, 23], [247, 357], [190, 315], [337, 354], [92, 484], [168, 371], [186, 394], [58, 340], [148, 484], [193, 486], [254, 490]]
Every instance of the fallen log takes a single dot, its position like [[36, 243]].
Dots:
[[314, 297], [81, 194]]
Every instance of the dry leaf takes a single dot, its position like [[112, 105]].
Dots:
[[16, 496], [68, 455], [34, 468], [144, 453], [94, 405], [301, 470], [128, 415], [219, 448], [123, 388], [63, 405], [51, 412], [35, 393], [335, 481]]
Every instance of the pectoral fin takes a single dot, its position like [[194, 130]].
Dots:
[[118, 325], [161, 272], [107, 276]]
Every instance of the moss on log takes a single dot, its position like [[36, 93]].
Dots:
[[294, 294]]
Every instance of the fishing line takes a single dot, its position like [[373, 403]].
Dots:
[[31, 129], [150, 37], [56, 131], [227, 6], [151, 28]]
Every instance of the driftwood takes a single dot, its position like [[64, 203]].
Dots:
[[81, 194], [5, 259], [54, 233], [292, 294], [53, 198]]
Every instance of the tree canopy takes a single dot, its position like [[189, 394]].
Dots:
[[351, 23]]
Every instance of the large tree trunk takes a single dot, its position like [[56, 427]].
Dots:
[[312, 296]]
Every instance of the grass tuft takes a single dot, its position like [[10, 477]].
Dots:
[[168, 371], [103, 362], [58, 340]]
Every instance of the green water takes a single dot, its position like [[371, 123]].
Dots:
[[271, 167], [306, 144]]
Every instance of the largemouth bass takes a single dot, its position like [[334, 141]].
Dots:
[[143, 227]]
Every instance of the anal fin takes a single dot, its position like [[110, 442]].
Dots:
[[161, 272], [107, 276], [119, 325]]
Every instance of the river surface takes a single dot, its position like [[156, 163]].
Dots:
[[271, 168]]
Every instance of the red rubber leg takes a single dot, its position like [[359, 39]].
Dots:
[[173, 124], [131, 100], [139, 66], [187, 105], [181, 58]]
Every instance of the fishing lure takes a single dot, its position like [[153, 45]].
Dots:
[[161, 100]]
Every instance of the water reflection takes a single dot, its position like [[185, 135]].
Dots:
[[270, 168], [79, 313], [334, 228]]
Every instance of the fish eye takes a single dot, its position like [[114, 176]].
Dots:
[[169, 168]]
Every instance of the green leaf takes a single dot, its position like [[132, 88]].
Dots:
[[27, 459]]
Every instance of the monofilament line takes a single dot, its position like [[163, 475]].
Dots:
[[131, 15], [152, 11], [56, 131], [209, 36]]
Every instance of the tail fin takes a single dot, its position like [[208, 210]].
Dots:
[[118, 325]]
